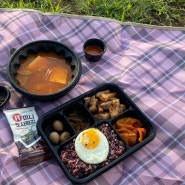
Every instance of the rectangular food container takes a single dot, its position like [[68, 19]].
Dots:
[[78, 114]]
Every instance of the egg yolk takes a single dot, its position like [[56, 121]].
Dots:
[[90, 139]]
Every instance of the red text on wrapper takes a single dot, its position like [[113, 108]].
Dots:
[[17, 117]]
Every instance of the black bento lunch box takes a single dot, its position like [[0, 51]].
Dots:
[[78, 114]]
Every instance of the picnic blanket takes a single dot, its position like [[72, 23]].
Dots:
[[147, 62]]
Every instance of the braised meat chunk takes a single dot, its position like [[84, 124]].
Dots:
[[104, 105]]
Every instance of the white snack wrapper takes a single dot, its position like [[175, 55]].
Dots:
[[23, 125]]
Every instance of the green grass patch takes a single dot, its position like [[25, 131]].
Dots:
[[160, 12]]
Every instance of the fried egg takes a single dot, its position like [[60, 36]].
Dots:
[[92, 146]]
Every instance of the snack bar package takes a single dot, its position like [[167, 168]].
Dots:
[[32, 149]]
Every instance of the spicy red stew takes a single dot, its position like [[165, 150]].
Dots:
[[44, 73]]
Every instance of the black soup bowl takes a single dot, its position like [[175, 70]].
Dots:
[[55, 74]]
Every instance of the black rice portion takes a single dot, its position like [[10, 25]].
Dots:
[[80, 169]]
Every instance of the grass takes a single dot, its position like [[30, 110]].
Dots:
[[154, 12]]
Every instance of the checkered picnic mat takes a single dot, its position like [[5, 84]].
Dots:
[[147, 62]]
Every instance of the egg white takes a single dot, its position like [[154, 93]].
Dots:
[[94, 155]]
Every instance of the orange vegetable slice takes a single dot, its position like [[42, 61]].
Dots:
[[59, 75]]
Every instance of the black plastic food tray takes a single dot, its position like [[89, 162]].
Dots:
[[61, 113]]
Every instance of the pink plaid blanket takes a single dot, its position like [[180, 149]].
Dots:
[[147, 62]]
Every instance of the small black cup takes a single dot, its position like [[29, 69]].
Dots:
[[94, 49], [4, 95]]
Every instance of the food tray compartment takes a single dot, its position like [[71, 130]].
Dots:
[[106, 102], [135, 129], [80, 105], [52, 124], [86, 172], [78, 117]]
